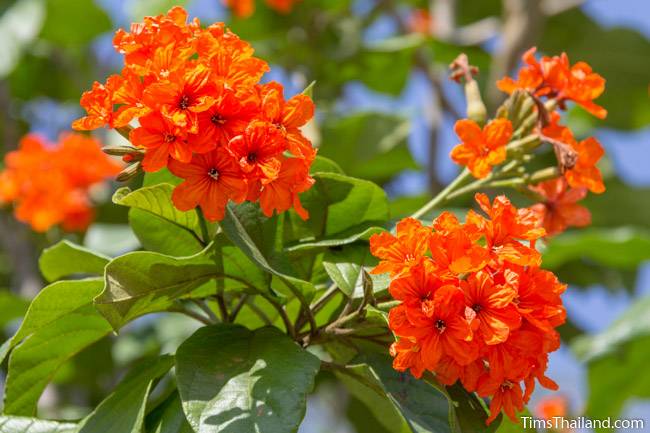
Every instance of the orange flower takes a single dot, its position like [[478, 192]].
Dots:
[[559, 209], [580, 170], [289, 116], [98, 102], [505, 394], [407, 356], [555, 78], [282, 6], [551, 406], [474, 306], [495, 312], [180, 100], [420, 21], [210, 181], [449, 331], [227, 118], [281, 193], [161, 139], [401, 252], [259, 151], [504, 229], [241, 8], [481, 149], [48, 185]]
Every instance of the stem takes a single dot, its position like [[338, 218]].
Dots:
[[223, 309], [442, 195], [322, 301], [235, 311], [207, 310], [203, 225], [283, 315], [181, 309], [329, 366]]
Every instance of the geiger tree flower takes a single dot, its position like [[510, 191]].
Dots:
[[197, 98], [48, 186]]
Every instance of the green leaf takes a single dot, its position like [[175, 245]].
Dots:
[[143, 282], [232, 380], [324, 165], [157, 200], [622, 248], [129, 400], [59, 15], [11, 307], [341, 209], [59, 324], [387, 65], [345, 266], [16, 424], [19, 25], [260, 239], [163, 236], [611, 356], [65, 259], [426, 407], [140, 8], [371, 146], [56, 301], [160, 176], [169, 417]]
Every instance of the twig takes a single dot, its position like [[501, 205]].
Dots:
[[206, 309], [235, 311], [186, 311]]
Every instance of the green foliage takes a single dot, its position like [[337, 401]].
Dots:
[[169, 417], [233, 380], [129, 400], [15, 424], [611, 356], [59, 13], [11, 307], [59, 324], [616, 248], [65, 259], [371, 146], [331, 202], [156, 199]]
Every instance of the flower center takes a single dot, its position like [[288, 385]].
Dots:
[[506, 385], [441, 325], [213, 173], [184, 102], [217, 119], [169, 138], [477, 307], [251, 158]]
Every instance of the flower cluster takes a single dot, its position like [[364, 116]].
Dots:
[[475, 305], [48, 186], [245, 8], [555, 78], [203, 114]]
